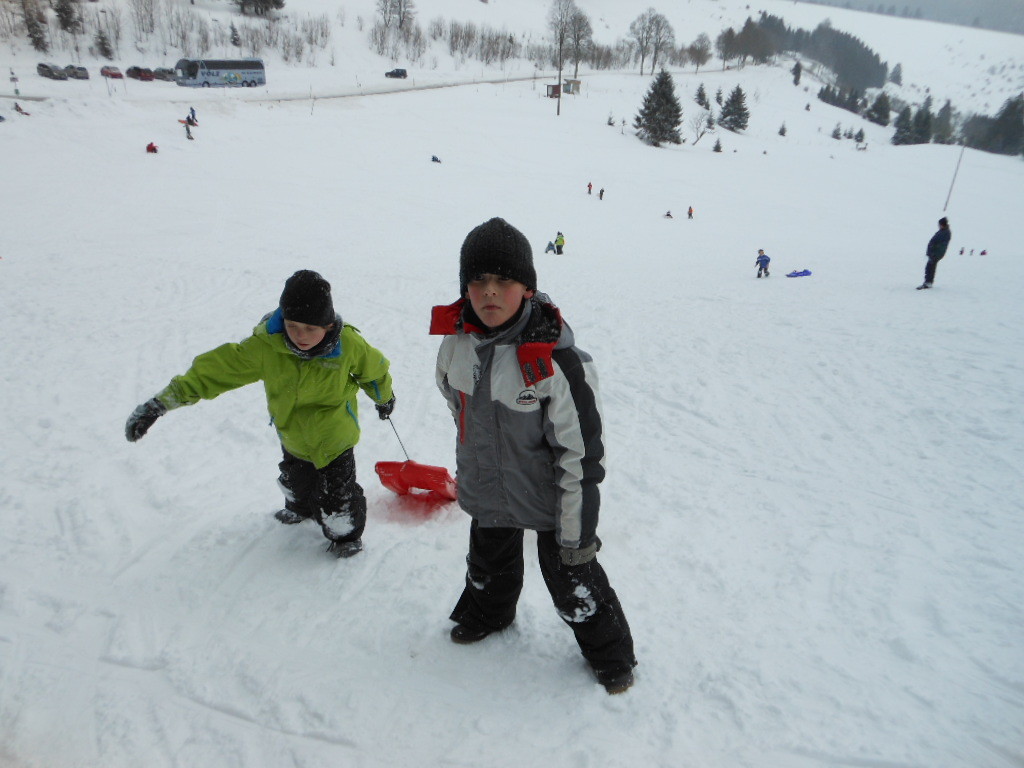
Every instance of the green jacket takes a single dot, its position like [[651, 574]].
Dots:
[[312, 403]]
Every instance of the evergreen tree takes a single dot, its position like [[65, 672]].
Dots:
[[702, 97], [67, 15], [782, 130], [35, 25], [797, 71], [904, 126], [735, 116], [718, 146], [878, 113], [922, 124], [859, 136], [103, 46], [1007, 134], [896, 76], [659, 117], [837, 132], [718, 96], [236, 39], [942, 127]]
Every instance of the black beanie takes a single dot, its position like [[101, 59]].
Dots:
[[497, 248], [307, 299]]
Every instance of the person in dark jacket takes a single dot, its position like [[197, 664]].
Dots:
[[762, 261], [529, 452], [935, 251]]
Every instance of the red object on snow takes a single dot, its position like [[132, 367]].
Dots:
[[407, 477]]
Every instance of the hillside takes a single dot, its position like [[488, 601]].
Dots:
[[812, 513]]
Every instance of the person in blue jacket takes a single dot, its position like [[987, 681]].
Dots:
[[935, 251], [762, 262]]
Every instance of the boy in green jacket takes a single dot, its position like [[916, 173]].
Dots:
[[312, 365]]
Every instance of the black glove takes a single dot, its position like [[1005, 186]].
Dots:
[[579, 556], [142, 419], [384, 409]]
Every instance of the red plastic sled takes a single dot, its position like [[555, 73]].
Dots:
[[408, 477]]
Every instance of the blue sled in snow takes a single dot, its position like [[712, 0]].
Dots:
[[799, 273]]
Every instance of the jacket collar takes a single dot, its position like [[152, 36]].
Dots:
[[275, 325]]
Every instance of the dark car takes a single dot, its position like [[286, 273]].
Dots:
[[401, 73], [76, 72], [112, 72], [51, 71], [163, 73], [139, 73]]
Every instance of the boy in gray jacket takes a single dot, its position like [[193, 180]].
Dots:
[[529, 452]]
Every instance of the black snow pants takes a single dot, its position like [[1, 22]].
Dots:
[[929, 269], [582, 595], [330, 495]]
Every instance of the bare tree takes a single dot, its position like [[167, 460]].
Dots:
[[559, 20], [662, 38], [641, 32], [386, 11], [405, 11], [700, 124], [143, 14], [581, 38], [700, 51]]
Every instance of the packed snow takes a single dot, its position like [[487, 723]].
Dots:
[[813, 510]]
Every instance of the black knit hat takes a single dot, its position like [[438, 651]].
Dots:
[[497, 248], [307, 299]]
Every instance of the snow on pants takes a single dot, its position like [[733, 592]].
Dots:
[[929, 269], [582, 595], [330, 495]]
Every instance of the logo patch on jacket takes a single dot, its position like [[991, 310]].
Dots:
[[527, 397]]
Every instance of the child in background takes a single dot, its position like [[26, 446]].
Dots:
[[312, 365], [762, 262], [530, 452]]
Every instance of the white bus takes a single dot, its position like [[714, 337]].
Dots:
[[203, 73]]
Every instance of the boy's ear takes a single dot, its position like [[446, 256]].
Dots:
[[529, 294]]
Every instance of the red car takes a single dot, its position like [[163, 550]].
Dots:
[[113, 72], [140, 73]]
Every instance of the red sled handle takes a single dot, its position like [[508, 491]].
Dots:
[[407, 477]]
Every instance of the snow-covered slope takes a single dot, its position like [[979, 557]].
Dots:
[[813, 509]]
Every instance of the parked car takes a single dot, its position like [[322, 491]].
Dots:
[[397, 73], [51, 71], [139, 73], [163, 73], [76, 72], [112, 72]]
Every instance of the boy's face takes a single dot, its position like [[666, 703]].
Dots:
[[305, 336], [496, 299]]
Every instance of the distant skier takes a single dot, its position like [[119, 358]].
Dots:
[[19, 110], [689, 213], [590, 188], [550, 248], [152, 148], [762, 262], [435, 159], [600, 195], [559, 243], [668, 215], [935, 251]]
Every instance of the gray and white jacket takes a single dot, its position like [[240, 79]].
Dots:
[[529, 449]]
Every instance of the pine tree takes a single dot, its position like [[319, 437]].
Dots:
[[896, 76], [904, 126], [103, 46], [718, 146], [35, 25], [702, 97], [735, 116], [782, 130], [67, 15], [1007, 134], [922, 124], [659, 117], [859, 136], [878, 113], [718, 96], [942, 127], [837, 132]]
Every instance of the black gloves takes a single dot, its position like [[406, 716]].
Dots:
[[579, 556], [384, 409], [142, 419]]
